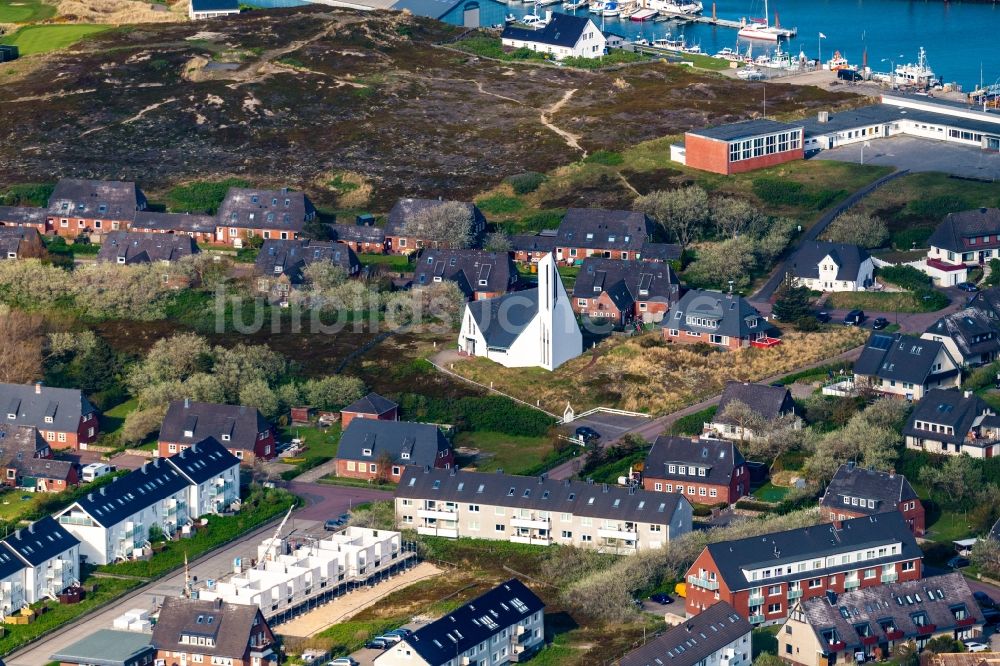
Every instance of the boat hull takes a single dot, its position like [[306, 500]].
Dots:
[[761, 35]]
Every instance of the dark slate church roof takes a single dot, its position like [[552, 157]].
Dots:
[[563, 30], [848, 258], [885, 489], [503, 319]]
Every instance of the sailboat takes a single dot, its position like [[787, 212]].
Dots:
[[758, 28]]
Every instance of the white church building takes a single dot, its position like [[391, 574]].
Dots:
[[524, 329]]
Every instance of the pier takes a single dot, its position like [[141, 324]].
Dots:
[[714, 20]]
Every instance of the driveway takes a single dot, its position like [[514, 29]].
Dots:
[[916, 154], [327, 501]]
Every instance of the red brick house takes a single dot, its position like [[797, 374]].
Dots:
[[856, 492], [242, 430], [64, 417], [20, 243], [608, 234], [22, 216], [763, 576], [269, 214], [132, 247], [706, 471], [363, 237], [199, 227], [26, 462], [377, 449], [624, 290], [93, 206], [399, 236], [529, 248], [372, 406], [479, 274], [742, 146], [711, 317], [192, 631]]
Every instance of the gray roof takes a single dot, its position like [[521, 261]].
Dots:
[[540, 493], [45, 468], [20, 442], [768, 401], [475, 622], [988, 302], [502, 319], [204, 460], [899, 357], [886, 489], [631, 279], [404, 210], [32, 403], [420, 443], [694, 639], [469, 269], [229, 625], [173, 222], [947, 407], [372, 403], [111, 199], [880, 114], [733, 314], [661, 251], [22, 215], [14, 240], [893, 605], [718, 457], [543, 243], [596, 228], [358, 233], [40, 541], [132, 247], [291, 257], [127, 495], [107, 647], [9, 563], [848, 259], [236, 426], [265, 209], [814, 542], [956, 230], [745, 129], [563, 30], [972, 330]]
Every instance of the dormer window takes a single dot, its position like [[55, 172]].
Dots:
[[254, 199], [12, 416], [121, 260], [482, 283], [590, 236], [189, 433], [48, 419], [404, 455], [225, 438], [366, 452]]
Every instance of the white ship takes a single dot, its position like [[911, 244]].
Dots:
[[918, 75], [689, 7], [759, 28]]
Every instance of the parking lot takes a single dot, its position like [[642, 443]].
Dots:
[[916, 154]]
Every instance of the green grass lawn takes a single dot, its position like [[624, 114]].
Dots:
[[45, 38], [882, 302], [512, 453], [770, 493], [396, 262], [12, 507], [113, 419], [25, 11], [949, 527], [319, 442]]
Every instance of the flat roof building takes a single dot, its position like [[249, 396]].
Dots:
[[739, 147]]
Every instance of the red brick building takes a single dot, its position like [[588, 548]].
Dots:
[[706, 471], [478, 274], [20, 243], [24, 217], [93, 207], [624, 290], [402, 235], [242, 430], [856, 492], [269, 214], [762, 577], [711, 317], [607, 234], [372, 406], [64, 417], [743, 146], [363, 237], [376, 449], [199, 227], [191, 631]]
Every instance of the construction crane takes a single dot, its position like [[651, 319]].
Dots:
[[268, 553]]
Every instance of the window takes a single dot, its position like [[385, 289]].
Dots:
[[567, 535], [473, 508], [658, 486], [774, 608], [500, 527], [908, 566]]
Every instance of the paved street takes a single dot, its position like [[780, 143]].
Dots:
[[916, 154]]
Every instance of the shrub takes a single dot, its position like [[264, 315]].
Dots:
[[525, 183], [546, 219], [778, 192], [27, 194], [692, 424], [807, 324], [913, 237], [906, 277], [605, 157], [499, 204]]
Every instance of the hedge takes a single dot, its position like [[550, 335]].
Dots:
[[906, 277]]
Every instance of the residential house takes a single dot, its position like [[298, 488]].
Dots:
[[269, 214], [242, 430], [952, 422], [716, 637], [213, 475], [538, 510], [964, 239], [199, 10], [65, 417], [856, 492], [530, 328], [372, 406], [505, 625], [132, 247], [624, 291], [108, 647], [192, 631], [970, 336], [403, 234], [478, 274], [868, 624], [93, 206], [824, 266], [762, 576], [281, 264], [23, 217], [740, 147], [707, 471], [26, 461], [608, 234], [987, 301], [723, 320], [50, 556], [563, 36], [375, 449], [529, 248], [767, 402], [905, 366], [199, 227], [45, 475], [660, 252], [361, 237], [20, 243]]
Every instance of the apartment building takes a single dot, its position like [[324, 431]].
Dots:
[[761, 577], [37, 561], [717, 637], [855, 492], [538, 510]]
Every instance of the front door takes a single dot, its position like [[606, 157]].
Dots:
[[470, 346]]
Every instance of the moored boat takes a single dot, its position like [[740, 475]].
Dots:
[[643, 14]]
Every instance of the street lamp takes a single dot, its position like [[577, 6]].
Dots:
[[892, 62], [866, 144]]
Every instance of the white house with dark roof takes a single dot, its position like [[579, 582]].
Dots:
[[715, 637], [768, 402], [824, 266], [564, 36], [963, 239], [50, 555], [213, 475], [970, 336], [530, 328], [951, 423], [905, 366]]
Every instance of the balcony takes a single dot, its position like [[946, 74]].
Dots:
[[795, 594], [923, 630], [533, 540], [624, 535], [757, 619], [530, 523], [966, 622], [890, 577], [852, 584], [703, 583], [438, 531], [895, 635], [437, 514], [835, 646], [756, 600], [869, 640]]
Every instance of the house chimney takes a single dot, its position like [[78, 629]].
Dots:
[[38, 388], [17, 534], [187, 403], [604, 487], [31, 528], [968, 394], [548, 16], [427, 469], [90, 497], [103, 489], [823, 116]]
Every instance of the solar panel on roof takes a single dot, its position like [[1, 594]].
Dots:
[[879, 341]]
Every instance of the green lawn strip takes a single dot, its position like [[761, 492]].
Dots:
[[44, 38], [25, 11], [113, 419], [395, 262], [886, 301], [320, 446], [609, 472], [815, 374], [201, 197], [354, 483], [512, 453], [693, 424], [770, 493]]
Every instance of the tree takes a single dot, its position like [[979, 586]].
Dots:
[[741, 415], [956, 480], [322, 275], [986, 556], [498, 241], [256, 393], [448, 223], [142, 423], [21, 349], [383, 464], [869, 438], [736, 217], [791, 302], [333, 392], [718, 263], [858, 229], [683, 213], [174, 358], [315, 229], [906, 654], [208, 270], [943, 645]]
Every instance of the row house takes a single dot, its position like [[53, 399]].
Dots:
[[281, 264], [382, 448], [608, 234], [529, 248], [478, 274], [540, 511], [114, 522], [242, 430], [951, 422], [37, 562], [905, 366], [403, 234], [721, 320], [64, 417], [623, 291], [199, 227], [825, 266], [195, 631], [970, 336], [23, 217], [79, 206], [963, 239], [706, 471], [856, 492], [716, 637], [505, 625], [768, 403], [269, 214], [20, 243], [372, 406], [363, 237], [762, 576], [26, 461], [132, 247], [869, 624]]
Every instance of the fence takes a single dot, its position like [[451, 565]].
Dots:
[[491, 389]]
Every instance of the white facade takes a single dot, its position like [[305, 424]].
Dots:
[[591, 44], [12, 598], [201, 14], [943, 363], [216, 494], [829, 280]]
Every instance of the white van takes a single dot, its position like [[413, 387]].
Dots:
[[95, 471]]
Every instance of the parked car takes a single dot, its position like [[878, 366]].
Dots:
[[854, 318], [975, 646], [849, 75], [402, 631], [376, 644], [342, 661], [823, 317], [967, 286], [879, 323], [390, 639], [984, 600], [586, 433], [662, 599], [333, 524], [958, 562]]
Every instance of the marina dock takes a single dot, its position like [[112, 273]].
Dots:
[[714, 20]]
